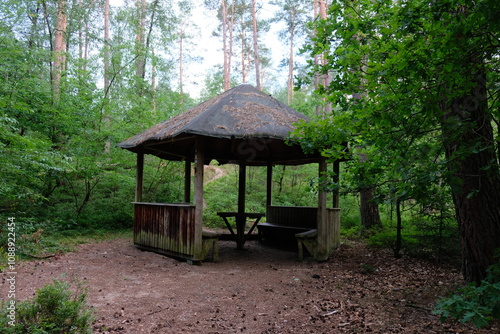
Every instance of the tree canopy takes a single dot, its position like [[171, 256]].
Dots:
[[415, 88]]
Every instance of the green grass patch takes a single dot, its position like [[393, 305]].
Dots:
[[39, 245]]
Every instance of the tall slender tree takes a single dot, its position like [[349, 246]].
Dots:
[[59, 48], [295, 15], [225, 43], [256, 46]]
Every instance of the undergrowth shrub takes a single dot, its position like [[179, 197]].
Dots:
[[478, 305], [386, 238], [56, 308]]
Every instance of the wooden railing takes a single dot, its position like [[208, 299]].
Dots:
[[333, 228], [293, 216], [301, 224], [165, 228]]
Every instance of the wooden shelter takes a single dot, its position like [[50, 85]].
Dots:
[[243, 126]]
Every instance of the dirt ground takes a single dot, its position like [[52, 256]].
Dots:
[[258, 290]]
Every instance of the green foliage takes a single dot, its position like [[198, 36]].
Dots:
[[413, 88], [292, 185], [474, 304], [386, 238], [393, 65], [57, 308]]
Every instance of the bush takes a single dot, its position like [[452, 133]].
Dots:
[[475, 304], [386, 238], [56, 309]]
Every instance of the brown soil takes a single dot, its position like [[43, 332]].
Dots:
[[258, 290]]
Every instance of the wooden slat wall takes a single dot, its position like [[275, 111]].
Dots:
[[296, 216], [333, 228], [166, 228]]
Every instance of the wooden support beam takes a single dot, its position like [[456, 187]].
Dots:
[[269, 185], [198, 200], [322, 250], [241, 219], [187, 181], [139, 177], [242, 188]]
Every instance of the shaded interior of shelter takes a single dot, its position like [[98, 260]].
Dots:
[[243, 126]]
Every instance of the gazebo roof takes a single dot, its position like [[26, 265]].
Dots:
[[242, 124]]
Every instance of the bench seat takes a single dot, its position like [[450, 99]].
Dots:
[[307, 240], [272, 231], [284, 222], [211, 242]]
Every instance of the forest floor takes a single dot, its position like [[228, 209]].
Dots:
[[261, 289]]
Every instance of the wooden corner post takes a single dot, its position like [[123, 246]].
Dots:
[[269, 185], [187, 181], [198, 200], [241, 219], [139, 176], [322, 250]]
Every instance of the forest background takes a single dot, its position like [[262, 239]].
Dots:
[[78, 77]]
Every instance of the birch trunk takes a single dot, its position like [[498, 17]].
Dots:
[[256, 46], [59, 48]]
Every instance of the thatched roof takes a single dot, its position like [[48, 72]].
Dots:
[[241, 124]]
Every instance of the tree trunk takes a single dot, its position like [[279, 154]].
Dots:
[[399, 238], [290, 66], [34, 26], [80, 38], [317, 61], [227, 79], [256, 46], [153, 81], [476, 193], [59, 48], [321, 79], [107, 41], [230, 55], [181, 54], [370, 216], [243, 69], [140, 62]]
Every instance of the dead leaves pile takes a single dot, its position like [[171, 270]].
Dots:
[[369, 291]]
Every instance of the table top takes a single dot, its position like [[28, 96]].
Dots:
[[241, 214]]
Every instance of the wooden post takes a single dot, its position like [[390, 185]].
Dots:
[[198, 200], [269, 185], [241, 188], [139, 177], [187, 181], [240, 219], [322, 251]]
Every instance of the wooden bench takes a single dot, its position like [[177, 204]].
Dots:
[[308, 240], [284, 222], [210, 241], [330, 238]]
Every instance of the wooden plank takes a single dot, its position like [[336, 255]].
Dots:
[[297, 216], [165, 228]]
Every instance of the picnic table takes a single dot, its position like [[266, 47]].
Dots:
[[241, 220]]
